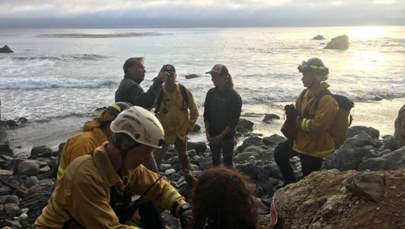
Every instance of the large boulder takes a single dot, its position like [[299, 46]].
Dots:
[[400, 127], [333, 199], [340, 42], [6, 49], [390, 161]]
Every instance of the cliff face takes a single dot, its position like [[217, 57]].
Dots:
[[350, 199]]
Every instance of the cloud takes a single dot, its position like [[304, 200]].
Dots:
[[208, 13]]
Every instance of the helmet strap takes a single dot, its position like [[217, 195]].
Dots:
[[124, 152]]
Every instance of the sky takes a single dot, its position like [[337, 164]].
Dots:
[[198, 13]]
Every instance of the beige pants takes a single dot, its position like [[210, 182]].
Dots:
[[181, 148]]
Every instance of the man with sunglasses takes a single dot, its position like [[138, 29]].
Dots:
[[81, 200]]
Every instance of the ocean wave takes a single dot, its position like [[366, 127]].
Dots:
[[98, 35], [78, 56], [49, 84], [85, 57], [33, 58]]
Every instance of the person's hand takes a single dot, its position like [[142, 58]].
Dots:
[[186, 219], [291, 113], [163, 75], [216, 140], [209, 138]]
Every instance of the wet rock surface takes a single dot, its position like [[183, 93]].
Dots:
[[342, 195]]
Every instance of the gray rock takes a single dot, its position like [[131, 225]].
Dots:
[[355, 130], [244, 124], [389, 142], [199, 147], [362, 139], [6, 49], [191, 76], [5, 150], [368, 185], [11, 208], [169, 172], [31, 181], [270, 117], [28, 167], [253, 140], [165, 167], [400, 127], [318, 37], [41, 151], [340, 42], [390, 161], [349, 158], [273, 140]]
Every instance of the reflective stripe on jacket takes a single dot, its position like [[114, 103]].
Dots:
[[84, 191], [313, 138], [174, 119]]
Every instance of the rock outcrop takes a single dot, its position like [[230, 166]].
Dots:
[[318, 37], [333, 199], [400, 127], [340, 42], [6, 49]]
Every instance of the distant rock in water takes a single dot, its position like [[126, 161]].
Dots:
[[340, 42], [190, 76], [6, 49], [318, 37]]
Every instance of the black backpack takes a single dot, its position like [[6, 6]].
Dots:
[[183, 92]]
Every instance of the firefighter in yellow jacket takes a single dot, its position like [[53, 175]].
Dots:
[[312, 141], [178, 117], [95, 133], [82, 197]]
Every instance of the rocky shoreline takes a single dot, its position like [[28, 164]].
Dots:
[[366, 176]]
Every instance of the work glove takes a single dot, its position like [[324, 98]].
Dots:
[[186, 219], [291, 114]]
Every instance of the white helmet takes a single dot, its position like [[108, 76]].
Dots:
[[141, 125]]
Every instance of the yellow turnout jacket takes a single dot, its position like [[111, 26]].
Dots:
[[176, 121], [313, 138], [79, 145], [84, 192]]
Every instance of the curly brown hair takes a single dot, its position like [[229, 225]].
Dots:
[[223, 198]]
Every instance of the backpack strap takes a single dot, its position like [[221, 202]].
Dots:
[[315, 103], [183, 92], [185, 97]]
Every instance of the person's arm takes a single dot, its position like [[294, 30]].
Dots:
[[236, 109], [159, 190], [206, 116], [323, 116], [146, 99], [192, 106], [90, 207]]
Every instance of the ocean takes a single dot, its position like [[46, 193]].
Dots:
[[57, 78]]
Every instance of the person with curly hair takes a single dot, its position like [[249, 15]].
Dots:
[[223, 198]]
